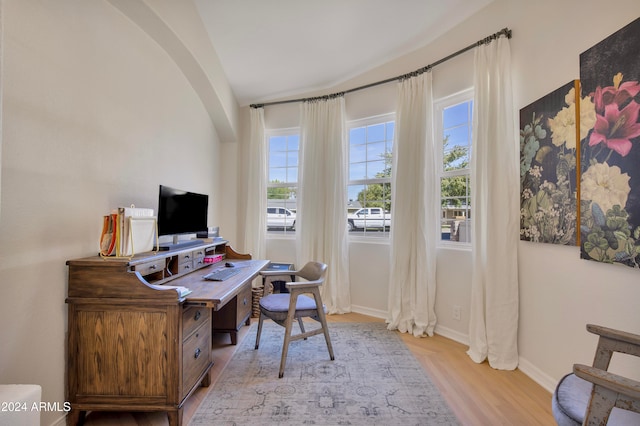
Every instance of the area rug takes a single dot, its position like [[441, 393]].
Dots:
[[374, 380]]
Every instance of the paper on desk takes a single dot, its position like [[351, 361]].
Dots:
[[182, 291]]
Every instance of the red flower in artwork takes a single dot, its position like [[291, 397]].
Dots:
[[617, 127], [618, 94]]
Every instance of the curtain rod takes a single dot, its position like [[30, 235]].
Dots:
[[503, 32]]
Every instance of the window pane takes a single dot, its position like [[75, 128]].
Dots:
[[286, 194], [458, 136], [356, 136], [283, 169], [293, 143], [375, 151], [455, 190], [358, 171], [357, 153], [456, 115], [352, 195], [292, 158], [375, 169], [292, 174], [277, 159], [277, 143], [369, 202], [277, 175], [390, 128], [375, 133]]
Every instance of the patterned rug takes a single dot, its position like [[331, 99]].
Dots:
[[374, 380]]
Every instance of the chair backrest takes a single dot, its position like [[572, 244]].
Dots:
[[313, 271]]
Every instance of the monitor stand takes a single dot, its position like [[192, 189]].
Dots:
[[178, 245]]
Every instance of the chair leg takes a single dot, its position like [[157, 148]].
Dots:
[[259, 330], [301, 324], [323, 321], [288, 325]]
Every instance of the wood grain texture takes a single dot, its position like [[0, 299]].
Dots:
[[478, 394]]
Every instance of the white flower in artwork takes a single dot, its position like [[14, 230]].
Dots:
[[605, 185], [563, 125], [587, 116]]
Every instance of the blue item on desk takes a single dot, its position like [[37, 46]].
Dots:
[[279, 286]]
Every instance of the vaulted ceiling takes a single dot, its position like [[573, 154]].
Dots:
[[270, 49]]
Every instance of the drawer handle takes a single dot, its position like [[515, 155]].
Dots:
[[186, 256], [152, 267], [196, 355], [244, 301], [197, 316]]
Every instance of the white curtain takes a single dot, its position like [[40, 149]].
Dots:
[[493, 326], [412, 283], [256, 209], [321, 222]]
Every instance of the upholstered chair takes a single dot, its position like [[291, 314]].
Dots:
[[283, 308], [593, 396]]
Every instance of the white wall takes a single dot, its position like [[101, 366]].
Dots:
[[96, 115], [559, 293]]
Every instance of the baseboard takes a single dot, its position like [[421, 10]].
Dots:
[[530, 370], [537, 375], [533, 372], [454, 335], [368, 311]]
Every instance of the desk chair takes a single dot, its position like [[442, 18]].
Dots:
[[283, 308], [589, 394]]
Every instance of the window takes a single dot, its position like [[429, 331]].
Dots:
[[283, 147], [369, 186], [454, 130]]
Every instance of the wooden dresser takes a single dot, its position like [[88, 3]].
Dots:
[[136, 345]]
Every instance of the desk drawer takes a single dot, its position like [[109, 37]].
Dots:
[[185, 257], [149, 268], [185, 267], [243, 303], [196, 355], [192, 318], [198, 254]]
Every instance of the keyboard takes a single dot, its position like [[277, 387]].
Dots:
[[221, 274]]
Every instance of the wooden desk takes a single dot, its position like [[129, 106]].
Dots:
[[136, 345], [230, 299]]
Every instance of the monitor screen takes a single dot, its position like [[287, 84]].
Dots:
[[181, 212]]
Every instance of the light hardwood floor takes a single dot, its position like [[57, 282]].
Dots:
[[478, 394]]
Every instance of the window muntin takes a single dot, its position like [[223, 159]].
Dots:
[[454, 134], [283, 149], [369, 186]]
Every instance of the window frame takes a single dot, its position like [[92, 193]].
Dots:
[[286, 132], [440, 105], [369, 236]]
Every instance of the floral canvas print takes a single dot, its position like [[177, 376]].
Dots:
[[548, 170], [610, 152]]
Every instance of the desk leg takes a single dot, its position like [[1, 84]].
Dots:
[[234, 337], [206, 381], [175, 417]]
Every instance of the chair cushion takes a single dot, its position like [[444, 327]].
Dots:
[[570, 400], [279, 302]]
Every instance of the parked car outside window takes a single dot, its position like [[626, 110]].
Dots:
[[279, 217]]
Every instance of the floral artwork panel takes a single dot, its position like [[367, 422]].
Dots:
[[610, 152], [548, 175]]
